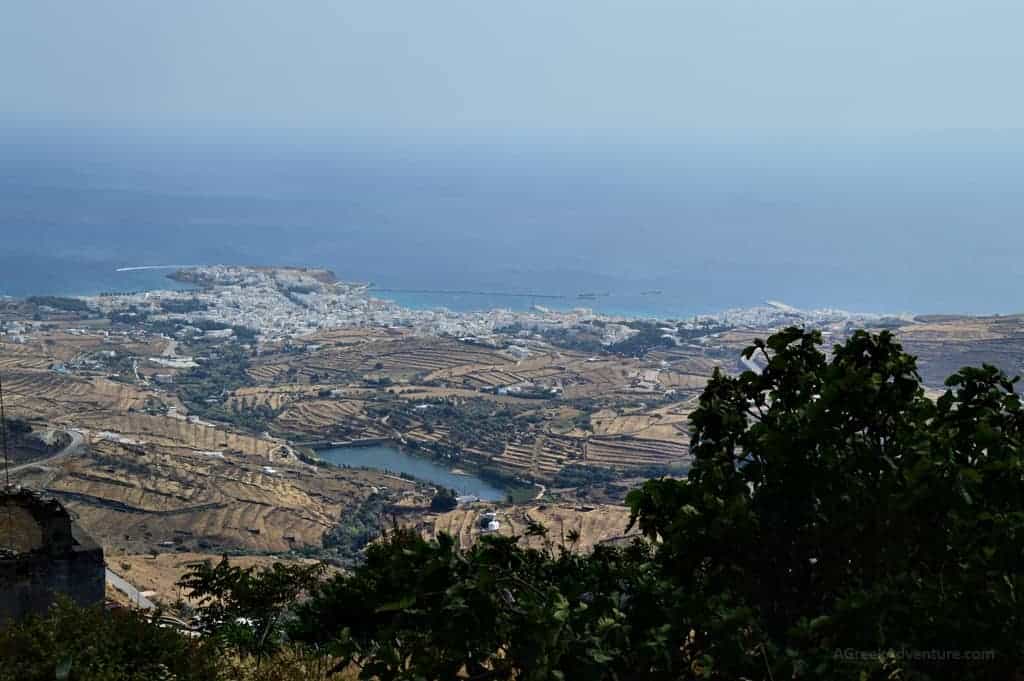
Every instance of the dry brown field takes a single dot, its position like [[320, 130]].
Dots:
[[595, 524], [65, 399], [542, 456], [397, 357], [161, 573], [18, 356], [275, 397], [320, 416], [625, 452], [347, 336], [944, 347], [138, 499], [173, 433], [206, 487], [662, 424]]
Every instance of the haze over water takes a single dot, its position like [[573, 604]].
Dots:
[[856, 153], [925, 225]]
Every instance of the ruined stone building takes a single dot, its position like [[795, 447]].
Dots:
[[44, 554]]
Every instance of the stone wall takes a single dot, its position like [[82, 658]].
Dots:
[[43, 554]]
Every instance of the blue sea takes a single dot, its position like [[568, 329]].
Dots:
[[911, 225]]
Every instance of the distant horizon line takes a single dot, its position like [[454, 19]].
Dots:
[[597, 136]]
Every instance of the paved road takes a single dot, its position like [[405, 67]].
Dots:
[[77, 440], [113, 579], [116, 581]]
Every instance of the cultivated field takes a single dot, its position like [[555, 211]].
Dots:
[[946, 345], [66, 399], [138, 499], [595, 525], [159, 574], [155, 478]]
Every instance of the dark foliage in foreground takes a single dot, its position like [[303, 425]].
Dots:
[[243, 607], [835, 524], [91, 644]]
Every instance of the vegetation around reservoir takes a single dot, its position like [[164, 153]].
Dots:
[[836, 523]]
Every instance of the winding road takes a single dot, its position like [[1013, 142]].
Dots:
[[113, 579], [133, 594], [77, 440]]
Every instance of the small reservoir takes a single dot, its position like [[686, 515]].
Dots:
[[391, 459]]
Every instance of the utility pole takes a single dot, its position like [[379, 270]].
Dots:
[[9, 538], [3, 436]]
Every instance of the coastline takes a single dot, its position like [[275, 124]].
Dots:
[[35, 275]]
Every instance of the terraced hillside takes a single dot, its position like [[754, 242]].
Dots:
[[669, 422], [595, 524], [63, 398], [175, 433], [542, 456], [19, 356], [333, 392], [193, 431], [628, 452], [154, 498], [330, 419], [944, 345], [396, 357]]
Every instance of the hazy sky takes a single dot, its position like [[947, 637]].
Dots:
[[630, 67]]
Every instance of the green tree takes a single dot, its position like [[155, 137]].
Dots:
[[443, 500], [420, 609], [832, 507], [835, 524], [244, 607], [90, 644]]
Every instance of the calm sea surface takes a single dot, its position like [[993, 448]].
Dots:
[[662, 232]]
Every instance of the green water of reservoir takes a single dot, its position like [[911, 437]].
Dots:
[[391, 459]]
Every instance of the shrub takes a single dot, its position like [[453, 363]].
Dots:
[[833, 521], [91, 644]]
